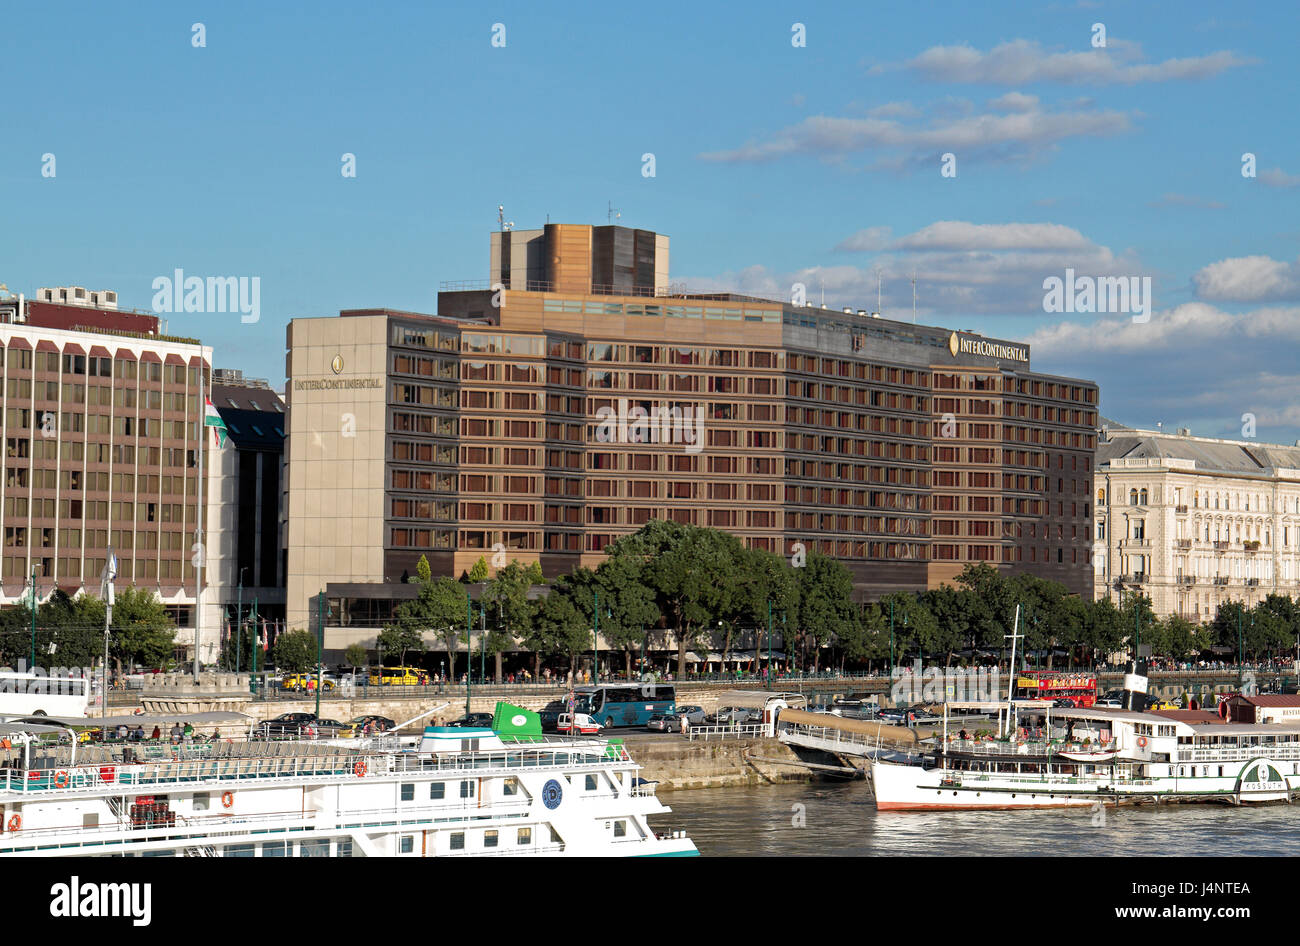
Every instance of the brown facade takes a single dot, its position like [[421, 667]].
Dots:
[[100, 432]]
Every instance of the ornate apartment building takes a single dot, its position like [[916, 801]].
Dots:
[[1193, 522], [577, 396]]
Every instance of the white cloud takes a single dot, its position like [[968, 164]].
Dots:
[[1023, 61], [1276, 177], [962, 269], [1014, 102], [894, 110], [996, 136], [1248, 279]]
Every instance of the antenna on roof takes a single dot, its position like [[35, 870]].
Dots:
[[878, 310], [502, 222], [913, 297], [612, 214], [823, 282]]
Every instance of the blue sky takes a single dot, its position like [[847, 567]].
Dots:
[[773, 164]]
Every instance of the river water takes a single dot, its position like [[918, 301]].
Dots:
[[828, 818]]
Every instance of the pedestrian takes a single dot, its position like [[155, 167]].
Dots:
[[686, 726], [176, 733], [122, 732], [156, 735], [138, 735], [188, 732]]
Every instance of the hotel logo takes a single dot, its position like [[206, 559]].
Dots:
[[337, 364], [967, 345]]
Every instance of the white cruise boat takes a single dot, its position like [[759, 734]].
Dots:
[[1087, 756], [452, 792]]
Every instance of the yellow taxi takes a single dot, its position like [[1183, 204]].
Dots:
[[300, 681]]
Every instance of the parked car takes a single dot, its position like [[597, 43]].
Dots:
[[664, 722], [301, 681], [692, 714], [286, 724], [1160, 704], [357, 724], [729, 715], [1113, 702], [474, 721]]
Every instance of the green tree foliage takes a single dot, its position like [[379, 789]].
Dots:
[[509, 611], [825, 590], [439, 607], [355, 656], [560, 625], [479, 573], [295, 651]]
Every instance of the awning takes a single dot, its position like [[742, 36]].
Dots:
[[96, 722], [759, 699], [10, 729]]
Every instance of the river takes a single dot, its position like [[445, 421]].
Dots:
[[840, 819]]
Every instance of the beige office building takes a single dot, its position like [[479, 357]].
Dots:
[[1193, 522]]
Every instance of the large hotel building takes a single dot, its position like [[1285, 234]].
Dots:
[[574, 396], [101, 425]]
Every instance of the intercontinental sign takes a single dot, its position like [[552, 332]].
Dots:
[[974, 345], [329, 384]]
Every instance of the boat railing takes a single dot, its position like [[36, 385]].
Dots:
[[740, 731], [1000, 748]]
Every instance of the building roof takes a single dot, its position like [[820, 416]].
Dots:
[[1190, 716], [1241, 458], [254, 416], [1271, 699]]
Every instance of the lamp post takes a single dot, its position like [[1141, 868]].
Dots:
[[482, 646], [595, 636], [469, 637], [891, 638], [239, 618], [320, 645], [31, 666], [769, 643], [252, 680]]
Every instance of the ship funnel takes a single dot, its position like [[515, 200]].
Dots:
[[1135, 686]]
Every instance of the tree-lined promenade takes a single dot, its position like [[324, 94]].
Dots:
[[706, 588]]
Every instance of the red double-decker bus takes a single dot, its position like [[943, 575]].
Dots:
[[1079, 688]]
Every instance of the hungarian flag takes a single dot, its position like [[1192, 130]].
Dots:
[[212, 419]]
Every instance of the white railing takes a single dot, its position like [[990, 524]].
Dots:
[[742, 731]]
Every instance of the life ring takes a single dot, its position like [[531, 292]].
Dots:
[[359, 770], [1142, 742], [60, 779], [16, 822], [227, 799]]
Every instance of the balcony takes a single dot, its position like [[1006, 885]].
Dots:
[[1186, 579], [1252, 582], [1221, 546], [1180, 510], [1220, 579], [1184, 543], [1251, 546]]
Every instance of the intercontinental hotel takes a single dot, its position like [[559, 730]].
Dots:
[[574, 396]]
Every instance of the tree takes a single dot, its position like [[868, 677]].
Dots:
[[506, 599], [952, 609], [479, 573], [143, 632], [295, 651], [995, 604], [627, 603], [439, 607], [355, 656], [559, 625], [825, 602], [768, 586]]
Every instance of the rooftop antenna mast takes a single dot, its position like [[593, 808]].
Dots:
[[823, 282], [878, 310], [502, 222], [913, 297], [612, 213]]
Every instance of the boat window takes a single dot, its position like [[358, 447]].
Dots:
[[237, 850], [408, 791], [406, 845], [510, 787], [490, 838], [591, 783], [620, 829], [466, 789], [275, 849], [458, 841], [438, 790], [314, 848], [525, 836]]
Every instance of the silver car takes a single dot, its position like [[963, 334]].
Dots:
[[664, 722], [692, 714]]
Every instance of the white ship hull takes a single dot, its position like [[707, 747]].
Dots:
[[911, 788]]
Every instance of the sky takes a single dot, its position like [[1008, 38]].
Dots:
[[983, 148]]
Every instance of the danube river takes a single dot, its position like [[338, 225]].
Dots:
[[840, 819]]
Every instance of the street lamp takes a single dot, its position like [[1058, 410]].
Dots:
[[32, 663], [239, 618]]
